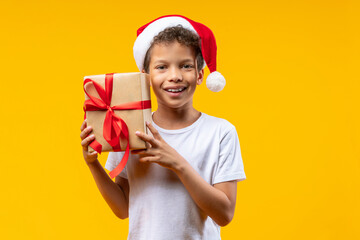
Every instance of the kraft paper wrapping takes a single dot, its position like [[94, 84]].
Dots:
[[127, 87]]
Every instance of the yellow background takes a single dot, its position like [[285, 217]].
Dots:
[[292, 92]]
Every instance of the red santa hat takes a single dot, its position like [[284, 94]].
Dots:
[[145, 34]]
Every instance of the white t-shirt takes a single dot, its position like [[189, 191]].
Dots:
[[160, 208]]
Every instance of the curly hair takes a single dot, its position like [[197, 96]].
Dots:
[[181, 35]]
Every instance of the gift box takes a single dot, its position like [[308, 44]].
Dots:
[[116, 106]]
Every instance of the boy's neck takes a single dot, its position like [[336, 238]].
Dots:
[[171, 119]]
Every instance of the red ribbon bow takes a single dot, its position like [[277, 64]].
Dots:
[[114, 127]]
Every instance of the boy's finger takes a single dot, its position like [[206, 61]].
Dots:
[[93, 153], [153, 130], [147, 138], [87, 141], [83, 125], [85, 132], [148, 145], [149, 159]]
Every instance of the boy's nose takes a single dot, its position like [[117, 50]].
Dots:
[[175, 75]]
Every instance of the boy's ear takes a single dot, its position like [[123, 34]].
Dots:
[[200, 77]]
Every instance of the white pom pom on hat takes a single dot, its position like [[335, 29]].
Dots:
[[145, 34]]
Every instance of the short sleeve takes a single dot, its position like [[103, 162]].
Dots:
[[230, 166], [113, 160]]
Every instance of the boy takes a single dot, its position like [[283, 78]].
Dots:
[[184, 185]]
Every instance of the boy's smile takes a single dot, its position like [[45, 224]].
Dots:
[[174, 74]]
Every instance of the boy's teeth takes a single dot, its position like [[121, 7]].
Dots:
[[175, 90]]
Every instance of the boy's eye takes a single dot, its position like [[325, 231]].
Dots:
[[161, 67], [188, 66]]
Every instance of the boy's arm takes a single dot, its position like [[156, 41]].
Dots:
[[218, 201], [116, 194]]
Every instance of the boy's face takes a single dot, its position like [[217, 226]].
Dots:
[[174, 74]]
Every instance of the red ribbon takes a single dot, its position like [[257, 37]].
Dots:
[[114, 127]]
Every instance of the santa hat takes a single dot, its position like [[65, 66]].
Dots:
[[145, 34]]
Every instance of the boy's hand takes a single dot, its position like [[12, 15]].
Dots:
[[86, 140], [160, 152]]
